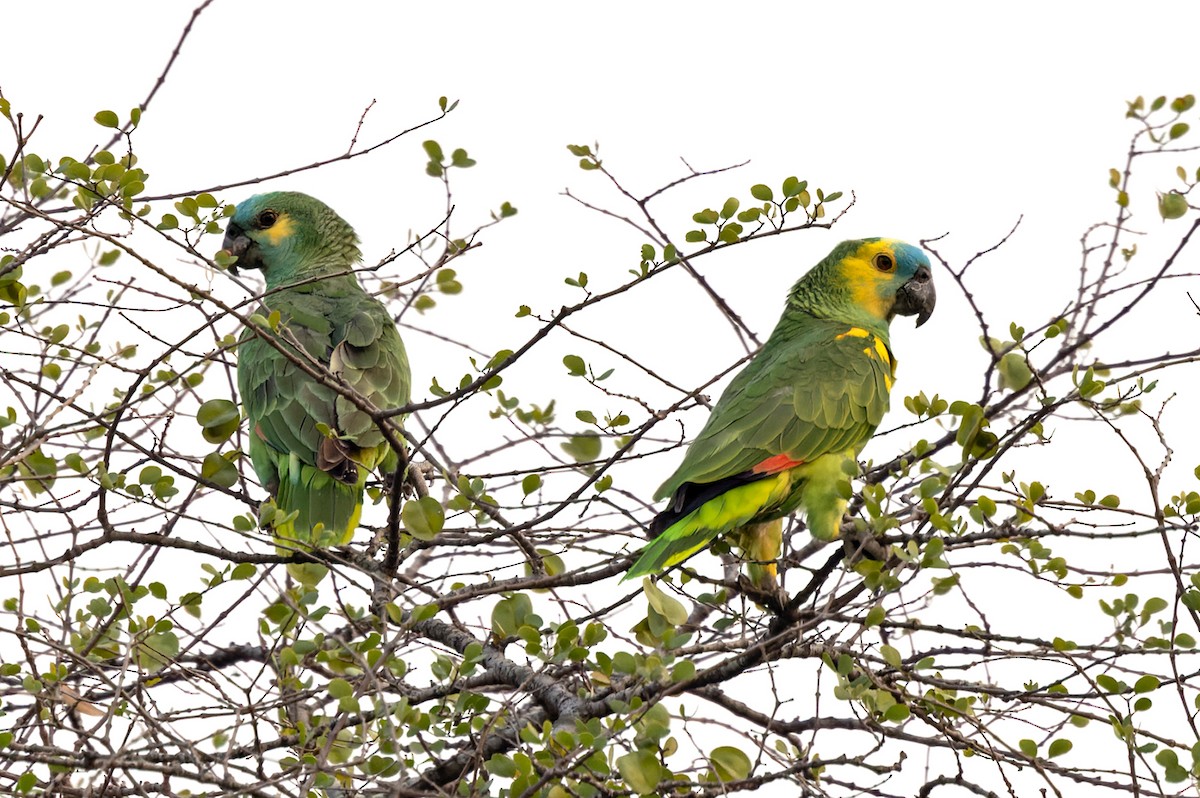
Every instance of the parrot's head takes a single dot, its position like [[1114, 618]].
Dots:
[[287, 234], [870, 280]]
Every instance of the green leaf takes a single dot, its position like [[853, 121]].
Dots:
[[531, 483], [511, 613], [41, 471], [1028, 747], [243, 570], [641, 771], [1172, 205], [157, 651], [943, 586], [575, 365], [762, 192], [793, 186], [681, 672], [891, 656], [1059, 747], [219, 470], [1146, 684], [1014, 370], [675, 613], [219, 418], [1154, 604], [729, 763], [107, 119], [502, 766], [583, 448], [423, 518], [423, 612], [459, 158], [433, 150]]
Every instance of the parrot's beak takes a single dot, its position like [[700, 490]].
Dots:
[[239, 244], [916, 297]]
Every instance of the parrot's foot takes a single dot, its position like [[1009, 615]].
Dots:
[[422, 473]]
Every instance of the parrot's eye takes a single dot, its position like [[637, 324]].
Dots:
[[884, 262], [266, 219]]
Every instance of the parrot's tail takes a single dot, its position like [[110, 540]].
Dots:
[[733, 508], [327, 514]]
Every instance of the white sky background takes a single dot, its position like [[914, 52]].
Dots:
[[942, 117]]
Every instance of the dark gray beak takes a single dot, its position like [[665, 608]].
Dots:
[[916, 297], [238, 243]]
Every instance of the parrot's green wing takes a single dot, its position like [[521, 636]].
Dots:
[[796, 415], [822, 388], [310, 446]]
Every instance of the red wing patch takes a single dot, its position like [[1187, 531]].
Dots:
[[776, 464]]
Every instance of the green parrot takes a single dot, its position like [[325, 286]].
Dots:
[[788, 430], [311, 447]]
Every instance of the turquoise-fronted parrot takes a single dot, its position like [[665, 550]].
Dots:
[[310, 445], [788, 430]]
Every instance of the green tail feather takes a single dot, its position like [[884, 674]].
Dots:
[[664, 551], [328, 512], [724, 513]]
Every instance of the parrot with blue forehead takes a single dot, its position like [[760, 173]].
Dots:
[[787, 431], [311, 447]]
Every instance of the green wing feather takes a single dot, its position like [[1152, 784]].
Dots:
[[807, 393], [813, 393], [351, 333]]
